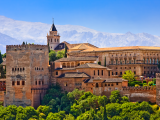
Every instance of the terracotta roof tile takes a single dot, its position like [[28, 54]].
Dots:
[[73, 75]]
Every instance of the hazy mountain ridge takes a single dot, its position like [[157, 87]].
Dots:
[[15, 32]]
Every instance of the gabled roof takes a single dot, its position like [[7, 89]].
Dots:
[[92, 65], [53, 28], [74, 45], [82, 47], [77, 59], [73, 75], [105, 80]]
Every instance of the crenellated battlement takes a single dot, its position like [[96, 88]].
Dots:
[[24, 47], [140, 88]]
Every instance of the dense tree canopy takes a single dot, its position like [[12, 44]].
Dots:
[[80, 105], [128, 75], [53, 55]]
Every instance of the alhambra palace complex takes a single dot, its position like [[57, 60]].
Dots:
[[28, 73]]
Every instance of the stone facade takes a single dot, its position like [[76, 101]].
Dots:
[[140, 59], [27, 76]]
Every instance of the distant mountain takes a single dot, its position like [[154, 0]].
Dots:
[[15, 32]]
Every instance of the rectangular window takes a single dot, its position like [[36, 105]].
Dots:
[[120, 73], [143, 60], [157, 61], [102, 72], [108, 73], [147, 61], [153, 61], [116, 62], [134, 61], [116, 73], [13, 83], [117, 83], [129, 61], [112, 73], [120, 61], [56, 72], [98, 72], [125, 61], [18, 82], [94, 72], [144, 72], [23, 82]]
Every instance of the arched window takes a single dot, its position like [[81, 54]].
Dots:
[[39, 82], [51, 40], [98, 72], [23, 82], [36, 83], [37, 68], [102, 72], [12, 69], [55, 40], [96, 84], [105, 84], [18, 69], [15, 69], [94, 72], [23, 69]]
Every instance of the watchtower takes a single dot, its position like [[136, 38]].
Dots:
[[158, 88], [53, 39], [27, 74]]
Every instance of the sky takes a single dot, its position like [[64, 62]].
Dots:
[[112, 16]]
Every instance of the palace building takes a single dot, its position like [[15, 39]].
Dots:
[[87, 67]]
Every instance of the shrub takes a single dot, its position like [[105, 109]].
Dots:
[[144, 81], [150, 83], [145, 84], [136, 85]]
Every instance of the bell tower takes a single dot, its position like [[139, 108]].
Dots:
[[53, 39]]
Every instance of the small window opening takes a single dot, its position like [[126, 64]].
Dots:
[[12, 69], [98, 72], [23, 69], [37, 68], [56, 72], [111, 84], [23, 82], [18, 82], [108, 84], [96, 84], [42, 82], [39, 82], [18, 69], [102, 72], [13, 83], [117, 83], [36, 83]]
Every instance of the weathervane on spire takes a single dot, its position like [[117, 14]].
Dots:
[[52, 20]]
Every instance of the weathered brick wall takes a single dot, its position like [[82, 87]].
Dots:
[[26, 65], [139, 94]]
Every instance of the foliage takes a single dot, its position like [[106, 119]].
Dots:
[[154, 80], [99, 63], [115, 97], [136, 85], [144, 81], [4, 55], [1, 60], [60, 54], [105, 61], [145, 84], [2, 71], [150, 83], [65, 53], [80, 105], [52, 55], [128, 75], [56, 55]]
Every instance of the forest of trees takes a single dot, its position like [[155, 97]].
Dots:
[[80, 105]]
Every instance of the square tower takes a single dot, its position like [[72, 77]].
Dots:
[[53, 39], [27, 76]]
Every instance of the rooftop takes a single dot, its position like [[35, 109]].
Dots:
[[106, 80], [73, 75], [92, 65], [77, 59]]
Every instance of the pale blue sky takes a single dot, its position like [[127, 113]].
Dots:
[[113, 16]]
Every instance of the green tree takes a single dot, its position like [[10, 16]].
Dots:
[[44, 109], [154, 80], [4, 55], [23, 43], [52, 56], [65, 53], [150, 83], [113, 109], [56, 116], [124, 99], [69, 117], [115, 96], [1, 60], [128, 75], [60, 54], [99, 63], [105, 61]]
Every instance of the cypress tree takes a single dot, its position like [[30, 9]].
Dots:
[[65, 54], [1, 60], [48, 48], [105, 61]]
